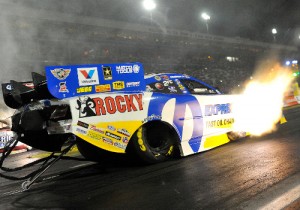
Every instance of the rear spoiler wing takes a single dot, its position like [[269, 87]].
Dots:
[[16, 94], [75, 80], [79, 80]]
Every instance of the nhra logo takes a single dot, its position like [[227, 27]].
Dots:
[[88, 76], [89, 107], [60, 73]]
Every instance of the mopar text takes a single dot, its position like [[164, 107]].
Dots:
[[217, 109]]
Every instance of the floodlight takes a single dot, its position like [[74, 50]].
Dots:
[[149, 5], [205, 16]]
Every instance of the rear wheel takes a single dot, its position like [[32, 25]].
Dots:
[[153, 143]]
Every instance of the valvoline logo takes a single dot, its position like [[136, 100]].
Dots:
[[88, 76]]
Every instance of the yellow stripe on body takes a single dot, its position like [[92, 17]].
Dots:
[[103, 141], [215, 141]]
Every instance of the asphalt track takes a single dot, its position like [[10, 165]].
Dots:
[[251, 173]]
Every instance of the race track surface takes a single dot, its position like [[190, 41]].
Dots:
[[251, 173]]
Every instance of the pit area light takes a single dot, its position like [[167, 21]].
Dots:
[[287, 63]]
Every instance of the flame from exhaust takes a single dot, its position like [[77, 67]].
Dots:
[[259, 108]]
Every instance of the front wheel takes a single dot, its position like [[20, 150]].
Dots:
[[153, 143]]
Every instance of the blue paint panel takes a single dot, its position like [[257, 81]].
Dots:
[[77, 80], [156, 106]]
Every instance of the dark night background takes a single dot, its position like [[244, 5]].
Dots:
[[251, 19], [171, 38]]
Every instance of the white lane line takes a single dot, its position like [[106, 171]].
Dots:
[[277, 196], [84, 164], [284, 200]]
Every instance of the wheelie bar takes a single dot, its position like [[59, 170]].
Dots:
[[46, 165]]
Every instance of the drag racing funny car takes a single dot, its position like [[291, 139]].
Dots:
[[116, 108]]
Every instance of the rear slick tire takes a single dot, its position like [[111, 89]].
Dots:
[[151, 146]]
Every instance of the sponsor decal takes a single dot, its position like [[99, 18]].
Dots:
[[219, 123], [217, 109], [157, 78], [125, 139], [94, 128], [124, 132], [114, 136], [88, 76], [181, 87], [61, 73], [63, 87], [148, 88], [9, 87], [83, 124], [4, 139], [79, 130], [30, 85], [107, 140], [167, 82], [140, 140], [109, 105], [102, 88], [136, 68], [33, 106], [5, 136], [159, 86], [86, 89], [86, 106], [128, 69], [172, 89], [133, 84], [175, 76], [118, 85], [122, 146], [94, 135], [164, 77], [152, 117], [107, 73], [110, 127]]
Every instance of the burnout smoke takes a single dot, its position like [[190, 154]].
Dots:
[[259, 107]]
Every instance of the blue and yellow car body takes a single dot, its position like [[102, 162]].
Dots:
[[110, 107]]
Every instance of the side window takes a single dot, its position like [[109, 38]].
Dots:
[[165, 86], [197, 88]]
